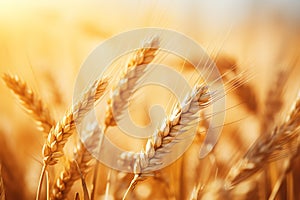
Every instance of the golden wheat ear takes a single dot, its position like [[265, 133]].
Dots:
[[282, 143], [32, 103], [120, 95], [59, 134], [133, 72], [165, 137]]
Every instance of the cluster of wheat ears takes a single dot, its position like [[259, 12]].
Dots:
[[266, 171]]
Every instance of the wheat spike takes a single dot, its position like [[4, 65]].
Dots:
[[178, 123], [121, 94], [59, 134], [82, 158], [271, 147], [165, 137], [31, 102], [134, 70]]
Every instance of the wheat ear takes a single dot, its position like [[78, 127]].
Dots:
[[30, 101], [58, 135], [82, 159], [274, 101], [271, 147], [122, 92], [166, 136], [134, 70]]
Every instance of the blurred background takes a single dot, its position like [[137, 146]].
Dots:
[[46, 42]]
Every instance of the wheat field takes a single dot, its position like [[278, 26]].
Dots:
[[253, 44]]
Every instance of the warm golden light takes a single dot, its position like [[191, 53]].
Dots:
[[255, 46]]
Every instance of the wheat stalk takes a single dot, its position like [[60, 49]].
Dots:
[[122, 92], [271, 147], [82, 158], [30, 101], [58, 135], [166, 136]]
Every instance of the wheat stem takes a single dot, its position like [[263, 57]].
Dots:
[[48, 185], [278, 183], [40, 182], [108, 183], [131, 185]]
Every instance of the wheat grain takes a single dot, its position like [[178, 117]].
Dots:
[[31, 102], [281, 143]]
